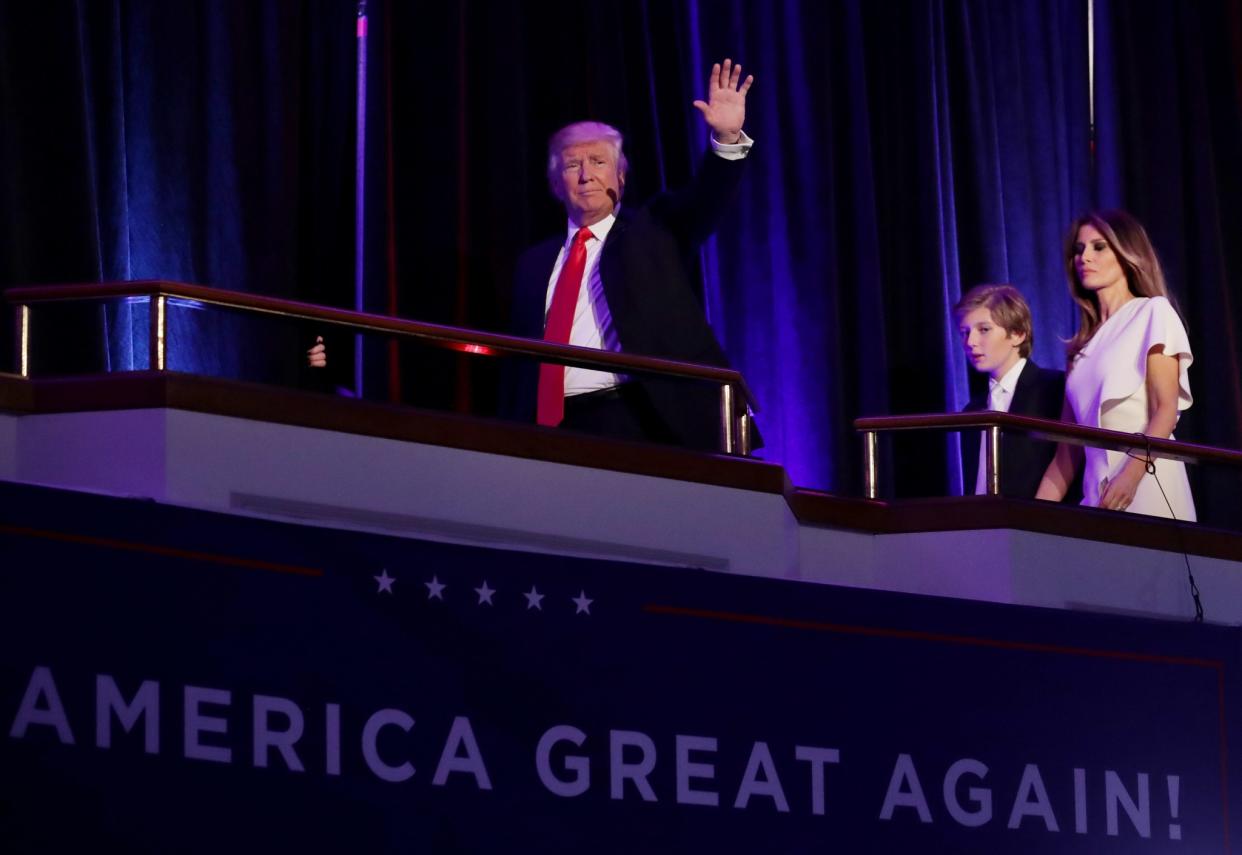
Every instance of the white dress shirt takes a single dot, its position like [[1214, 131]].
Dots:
[[592, 325], [1000, 397]]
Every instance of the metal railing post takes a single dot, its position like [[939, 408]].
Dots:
[[158, 331], [991, 453], [23, 340], [871, 465], [745, 433], [728, 419]]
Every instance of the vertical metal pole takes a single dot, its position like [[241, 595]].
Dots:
[[1091, 78], [991, 446], [871, 465], [728, 418], [360, 187], [158, 330], [23, 339], [745, 426]]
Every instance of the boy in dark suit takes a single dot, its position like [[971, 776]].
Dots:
[[994, 322]]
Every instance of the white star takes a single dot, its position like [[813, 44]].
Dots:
[[533, 599], [385, 582], [582, 602], [485, 594], [435, 589]]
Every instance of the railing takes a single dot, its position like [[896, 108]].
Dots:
[[993, 422], [736, 401]]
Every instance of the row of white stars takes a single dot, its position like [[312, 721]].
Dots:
[[436, 589]]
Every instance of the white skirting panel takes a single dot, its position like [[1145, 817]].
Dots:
[[1010, 566], [407, 489]]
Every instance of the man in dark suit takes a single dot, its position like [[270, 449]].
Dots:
[[994, 322], [622, 278]]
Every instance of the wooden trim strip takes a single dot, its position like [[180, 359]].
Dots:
[[436, 334]]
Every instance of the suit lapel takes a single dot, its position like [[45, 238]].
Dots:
[[609, 255], [1024, 389], [970, 444], [532, 301], [978, 402]]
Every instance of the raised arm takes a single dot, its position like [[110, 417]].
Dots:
[[1060, 472], [1162, 387], [694, 211], [725, 107]]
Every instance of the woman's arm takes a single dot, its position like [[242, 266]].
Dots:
[[1060, 472], [1162, 389]]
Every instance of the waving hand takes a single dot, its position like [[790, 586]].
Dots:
[[725, 108]]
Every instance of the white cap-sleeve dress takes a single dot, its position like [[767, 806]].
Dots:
[[1107, 388]]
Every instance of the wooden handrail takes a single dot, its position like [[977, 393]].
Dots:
[[993, 422], [1187, 452], [736, 430], [580, 357]]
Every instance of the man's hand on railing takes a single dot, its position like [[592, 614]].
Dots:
[[317, 356]]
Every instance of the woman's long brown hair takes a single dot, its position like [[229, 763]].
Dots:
[[1129, 242]]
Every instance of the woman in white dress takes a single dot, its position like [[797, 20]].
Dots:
[[1127, 370]]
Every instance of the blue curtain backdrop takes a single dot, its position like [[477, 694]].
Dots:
[[1169, 136], [914, 151], [204, 142], [906, 151]]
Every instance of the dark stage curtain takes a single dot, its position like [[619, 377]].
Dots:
[[916, 149], [905, 151], [463, 98], [901, 152], [1169, 131], [206, 142]]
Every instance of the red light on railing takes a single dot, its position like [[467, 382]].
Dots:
[[470, 348]]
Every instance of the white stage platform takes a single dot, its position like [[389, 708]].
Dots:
[[528, 489]]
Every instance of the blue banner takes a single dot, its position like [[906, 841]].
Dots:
[[175, 680]]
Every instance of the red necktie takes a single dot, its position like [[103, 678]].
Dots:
[[560, 322]]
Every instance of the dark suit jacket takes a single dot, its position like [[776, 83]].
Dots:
[[1039, 392], [647, 267]]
